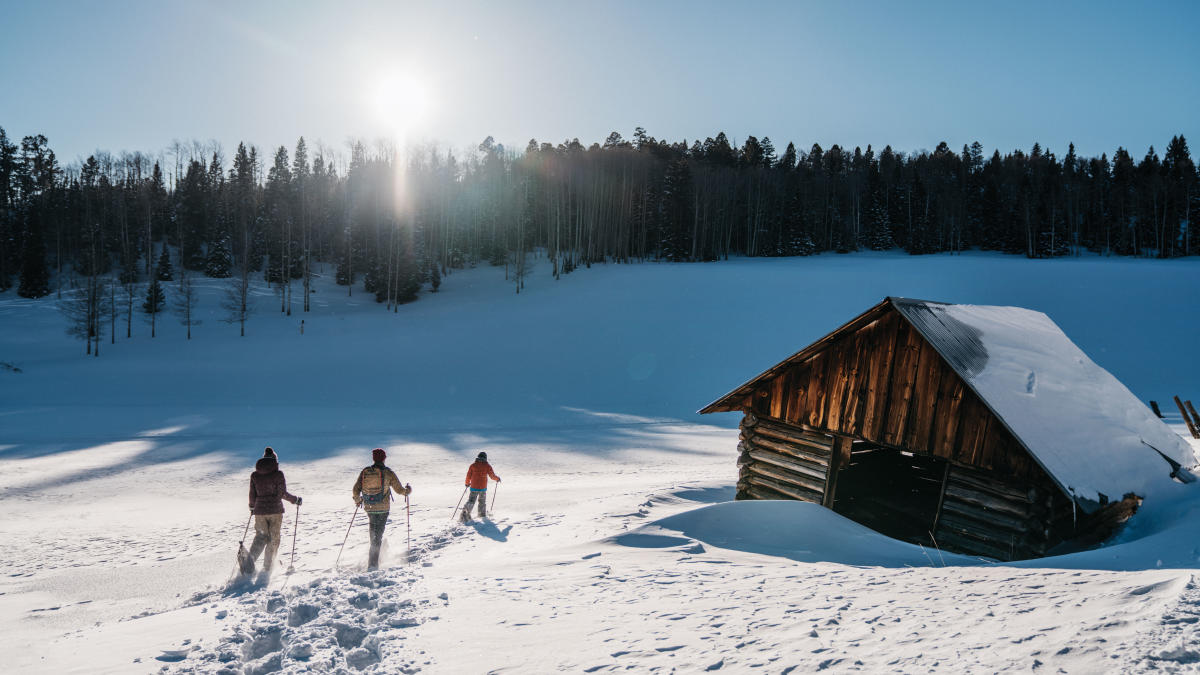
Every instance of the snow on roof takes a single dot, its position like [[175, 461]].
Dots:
[[1085, 428]]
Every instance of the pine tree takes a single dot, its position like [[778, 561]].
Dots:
[[155, 299], [35, 277], [9, 252], [220, 259], [880, 238], [192, 212], [163, 271], [408, 283], [435, 275]]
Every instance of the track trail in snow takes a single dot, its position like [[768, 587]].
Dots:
[[329, 619]]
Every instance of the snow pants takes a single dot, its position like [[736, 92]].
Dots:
[[378, 521], [481, 496], [266, 536]]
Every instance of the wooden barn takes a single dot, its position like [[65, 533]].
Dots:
[[983, 430]]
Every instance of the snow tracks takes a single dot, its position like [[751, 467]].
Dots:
[[328, 624]]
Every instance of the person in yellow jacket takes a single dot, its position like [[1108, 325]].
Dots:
[[373, 491]]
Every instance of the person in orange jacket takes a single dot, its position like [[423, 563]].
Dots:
[[477, 480]]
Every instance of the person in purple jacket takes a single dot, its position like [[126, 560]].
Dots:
[[268, 489]]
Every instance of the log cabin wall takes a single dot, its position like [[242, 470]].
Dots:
[[884, 383], [983, 515], [780, 461]]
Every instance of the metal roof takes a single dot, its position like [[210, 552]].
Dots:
[[959, 344]]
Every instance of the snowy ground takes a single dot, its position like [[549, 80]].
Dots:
[[123, 478]]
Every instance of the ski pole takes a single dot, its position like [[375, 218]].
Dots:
[[464, 494], [408, 519], [295, 528], [339, 555], [493, 509], [243, 555]]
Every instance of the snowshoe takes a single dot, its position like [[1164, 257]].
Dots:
[[245, 562]]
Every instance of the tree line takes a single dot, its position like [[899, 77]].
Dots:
[[389, 222]]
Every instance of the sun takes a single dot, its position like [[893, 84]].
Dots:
[[400, 101]]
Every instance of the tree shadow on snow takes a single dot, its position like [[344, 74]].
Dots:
[[210, 436]]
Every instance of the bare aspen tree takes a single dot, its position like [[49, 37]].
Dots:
[[185, 302], [237, 302]]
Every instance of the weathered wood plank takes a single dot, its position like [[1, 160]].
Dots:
[[974, 420], [997, 520], [776, 402], [958, 542], [810, 469], [956, 491], [880, 379], [765, 493], [856, 385], [841, 456], [988, 483], [837, 378], [924, 403], [1007, 545], [908, 347], [798, 407], [946, 428], [785, 477], [789, 491], [785, 396], [816, 389], [1192, 409], [800, 452], [794, 435], [1187, 419]]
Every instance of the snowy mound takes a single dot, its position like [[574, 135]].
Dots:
[[789, 529]]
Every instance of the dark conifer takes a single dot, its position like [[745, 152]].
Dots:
[[220, 259], [163, 271], [155, 299], [35, 276]]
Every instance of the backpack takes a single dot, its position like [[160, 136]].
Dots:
[[376, 497]]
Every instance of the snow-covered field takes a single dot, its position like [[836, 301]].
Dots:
[[613, 544]]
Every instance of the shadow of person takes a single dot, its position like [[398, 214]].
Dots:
[[488, 529]]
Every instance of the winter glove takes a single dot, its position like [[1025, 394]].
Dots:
[[299, 501], [408, 489], [251, 508], [358, 501]]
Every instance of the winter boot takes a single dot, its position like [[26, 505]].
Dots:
[[464, 517]]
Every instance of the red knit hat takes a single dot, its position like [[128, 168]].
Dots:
[[378, 455]]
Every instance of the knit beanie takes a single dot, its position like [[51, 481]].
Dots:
[[378, 455], [269, 452], [483, 456]]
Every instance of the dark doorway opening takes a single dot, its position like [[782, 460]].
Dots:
[[892, 492]]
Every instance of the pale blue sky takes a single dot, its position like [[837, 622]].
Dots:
[[133, 75]]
